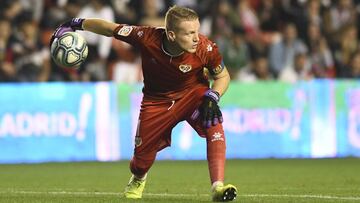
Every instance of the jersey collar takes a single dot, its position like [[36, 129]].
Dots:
[[167, 53]]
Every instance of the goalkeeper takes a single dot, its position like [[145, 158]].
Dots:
[[176, 88]]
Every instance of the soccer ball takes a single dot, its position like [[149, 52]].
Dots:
[[69, 50]]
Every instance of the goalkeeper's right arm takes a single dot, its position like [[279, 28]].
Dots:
[[94, 25], [99, 26]]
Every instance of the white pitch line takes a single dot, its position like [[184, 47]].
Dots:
[[303, 196], [96, 193], [354, 198]]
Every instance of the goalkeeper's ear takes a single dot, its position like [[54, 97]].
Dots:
[[171, 36]]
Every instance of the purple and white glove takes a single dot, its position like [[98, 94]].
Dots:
[[69, 26], [209, 110]]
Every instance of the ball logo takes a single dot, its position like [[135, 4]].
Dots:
[[185, 68], [125, 31]]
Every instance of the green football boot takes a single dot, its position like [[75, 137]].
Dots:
[[224, 193], [134, 188]]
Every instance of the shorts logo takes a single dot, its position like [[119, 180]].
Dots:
[[217, 137], [125, 31], [138, 141], [185, 68]]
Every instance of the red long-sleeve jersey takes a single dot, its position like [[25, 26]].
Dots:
[[166, 76]]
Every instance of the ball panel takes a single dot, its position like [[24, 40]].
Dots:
[[85, 53], [67, 41], [60, 55], [72, 57], [80, 42]]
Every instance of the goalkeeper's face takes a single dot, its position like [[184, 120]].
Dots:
[[187, 35]]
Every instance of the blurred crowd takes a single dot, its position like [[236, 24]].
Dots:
[[287, 40]]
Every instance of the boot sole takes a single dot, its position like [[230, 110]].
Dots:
[[229, 194]]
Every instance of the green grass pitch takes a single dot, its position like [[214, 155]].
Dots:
[[262, 180]]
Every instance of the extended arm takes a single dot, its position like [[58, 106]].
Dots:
[[94, 25], [99, 26]]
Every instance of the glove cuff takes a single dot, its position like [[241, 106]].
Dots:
[[77, 23], [213, 95]]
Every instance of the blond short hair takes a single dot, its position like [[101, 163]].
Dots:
[[176, 14]]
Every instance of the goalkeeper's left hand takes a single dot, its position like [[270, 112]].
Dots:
[[209, 110], [69, 26]]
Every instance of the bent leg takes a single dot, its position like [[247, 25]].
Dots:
[[140, 164], [153, 134]]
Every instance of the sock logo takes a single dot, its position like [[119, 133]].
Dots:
[[217, 137]]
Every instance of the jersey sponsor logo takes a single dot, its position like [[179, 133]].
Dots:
[[125, 31], [217, 137], [185, 68]]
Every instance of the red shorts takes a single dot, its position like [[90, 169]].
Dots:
[[158, 118]]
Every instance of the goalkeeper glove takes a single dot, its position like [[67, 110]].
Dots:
[[69, 26], [209, 110]]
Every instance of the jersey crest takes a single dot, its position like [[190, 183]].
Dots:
[[185, 68]]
